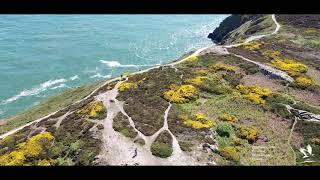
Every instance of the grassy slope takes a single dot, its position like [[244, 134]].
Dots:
[[263, 25], [50, 105]]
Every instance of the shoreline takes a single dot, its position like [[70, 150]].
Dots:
[[107, 81]]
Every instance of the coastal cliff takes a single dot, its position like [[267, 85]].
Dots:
[[220, 105], [220, 34]]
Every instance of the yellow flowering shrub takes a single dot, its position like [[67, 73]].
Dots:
[[304, 82], [292, 67], [93, 110], [127, 86], [253, 45], [181, 94], [15, 158], [197, 81], [230, 152], [33, 148], [192, 59], [223, 67], [249, 133], [44, 162], [202, 71], [255, 94], [199, 121], [271, 54], [229, 118]]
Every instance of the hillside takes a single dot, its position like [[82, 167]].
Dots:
[[254, 99]]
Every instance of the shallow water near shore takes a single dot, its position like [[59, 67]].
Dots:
[[41, 55]]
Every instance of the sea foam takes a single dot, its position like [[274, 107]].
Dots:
[[116, 64], [98, 75], [35, 90]]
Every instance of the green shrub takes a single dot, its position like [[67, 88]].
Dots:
[[185, 146], [161, 149], [225, 129], [162, 146], [140, 141]]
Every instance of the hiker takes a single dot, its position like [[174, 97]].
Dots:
[[135, 153]]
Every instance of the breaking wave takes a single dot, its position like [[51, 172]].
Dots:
[[51, 84], [98, 75], [35, 90], [59, 86], [74, 78], [117, 64]]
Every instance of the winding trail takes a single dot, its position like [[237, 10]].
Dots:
[[118, 149]]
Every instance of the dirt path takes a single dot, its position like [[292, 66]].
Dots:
[[120, 150]]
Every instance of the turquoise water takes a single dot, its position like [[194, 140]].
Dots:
[[41, 55]]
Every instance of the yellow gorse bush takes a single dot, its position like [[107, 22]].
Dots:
[[44, 162], [199, 122], [33, 148], [197, 81], [255, 94], [292, 67], [229, 118], [253, 45], [249, 133], [202, 71], [230, 152], [223, 67], [192, 59], [15, 158], [181, 94], [127, 86], [304, 82], [271, 54], [93, 110]]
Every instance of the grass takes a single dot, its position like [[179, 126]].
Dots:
[[162, 146], [145, 104], [310, 131], [121, 124], [50, 105], [263, 25]]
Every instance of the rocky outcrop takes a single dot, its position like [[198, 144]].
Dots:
[[229, 24]]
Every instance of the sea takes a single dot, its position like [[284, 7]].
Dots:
[[42, 55]]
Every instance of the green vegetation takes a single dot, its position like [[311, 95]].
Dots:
[[185, 146], [140, 141], [162, 146], [225, 129], [122, 125], [231, 153], [52, 104]]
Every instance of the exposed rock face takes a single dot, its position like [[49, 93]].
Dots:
[[229, 24]]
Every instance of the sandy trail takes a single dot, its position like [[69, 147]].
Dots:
[[119, 150]]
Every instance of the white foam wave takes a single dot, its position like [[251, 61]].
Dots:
[[116, 64], [98, 75], [35, 90], [74, 77], [59, 86]]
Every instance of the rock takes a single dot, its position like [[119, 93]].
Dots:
[[211, 147], [232, 22]]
